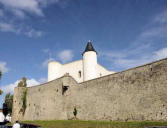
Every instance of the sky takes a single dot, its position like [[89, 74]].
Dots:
[[125, 33]]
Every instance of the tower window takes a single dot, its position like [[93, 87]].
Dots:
[[79, 74]]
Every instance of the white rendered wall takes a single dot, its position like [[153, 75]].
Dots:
[[89, 65], [54, 70], [73, 69], [101, 71]]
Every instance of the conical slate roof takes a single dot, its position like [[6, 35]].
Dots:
[[89, 47]]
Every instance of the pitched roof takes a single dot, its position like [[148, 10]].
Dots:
[[89, 47]]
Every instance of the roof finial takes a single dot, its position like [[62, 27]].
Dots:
[[88, 41]]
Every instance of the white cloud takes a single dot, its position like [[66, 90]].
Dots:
[[10, 87], [19, 13], [141, 50], [1, 13], [45, 3], [32, 82], [156, 31], [160, 54], [19, 10], [161, 18], [46, 50], [43, 80], [20, 7], [31, 6], [30, 32], [65, 55], [130, 63], [33, 33], [128, 59], [3, 67], [5, 27]]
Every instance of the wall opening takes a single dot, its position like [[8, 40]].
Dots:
[[151, 68], [79, 74], [64, 89]]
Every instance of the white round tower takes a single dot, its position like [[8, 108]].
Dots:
[[89, 63], [53, 70]]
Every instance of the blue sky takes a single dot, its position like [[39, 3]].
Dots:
[[125, 33]]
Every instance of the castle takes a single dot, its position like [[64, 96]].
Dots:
[[81, 70], [138, 93]]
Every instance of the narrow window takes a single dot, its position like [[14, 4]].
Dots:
[[151, 68], [64, 89], [79, 74]]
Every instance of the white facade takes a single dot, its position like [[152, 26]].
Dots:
[[54, 70], [89, 65], [81, 70]]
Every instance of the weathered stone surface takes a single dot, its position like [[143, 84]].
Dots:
[[135, 94]]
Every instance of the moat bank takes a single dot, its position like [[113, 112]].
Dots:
[[95, 124]]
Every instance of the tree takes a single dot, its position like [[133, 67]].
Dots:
[[23, 82], [9, 102], [0, 78], [5, 109], [1, 92], [24, 79], [20, 84]]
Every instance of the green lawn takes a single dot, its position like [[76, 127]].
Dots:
[[95, 124]]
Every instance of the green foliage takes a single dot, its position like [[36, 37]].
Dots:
[[24, 99], [5, 109], [0, 74], [95, 124], [20, 84], [75, 112], [9, 102], [23, 82], [0, 78], [1, 92]]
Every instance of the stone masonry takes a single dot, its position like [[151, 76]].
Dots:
[[136, 94]]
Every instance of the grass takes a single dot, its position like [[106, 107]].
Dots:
[[95, 124]]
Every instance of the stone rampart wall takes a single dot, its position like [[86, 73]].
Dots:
[[135, 94]]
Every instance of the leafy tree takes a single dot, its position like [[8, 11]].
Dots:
[[9, 102], [1, 92], [5, 109], [24, 79], [0, 74], [20, 84], [0, 78], [23, 82]]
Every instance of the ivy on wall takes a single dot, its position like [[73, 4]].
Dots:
[[24, 102]]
